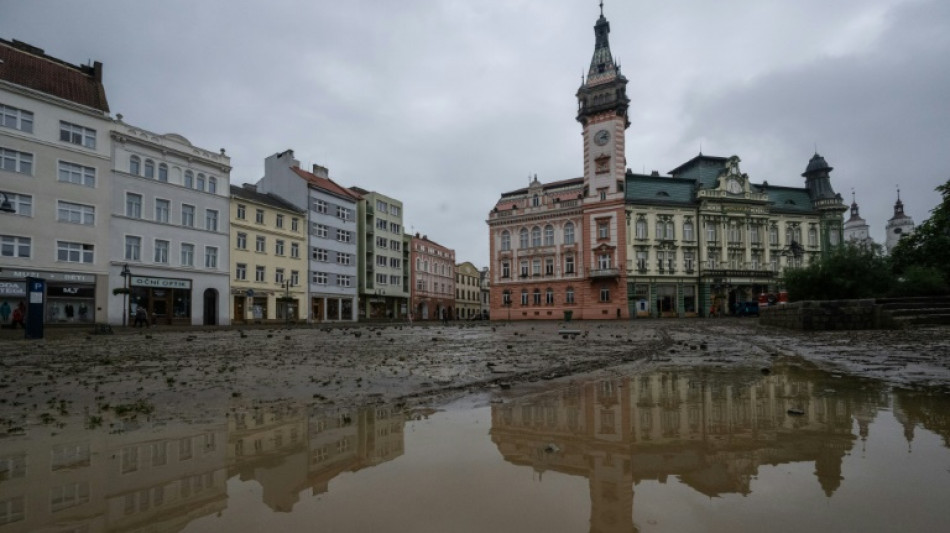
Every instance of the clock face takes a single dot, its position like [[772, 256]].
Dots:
[[601, 137], [734, 186]]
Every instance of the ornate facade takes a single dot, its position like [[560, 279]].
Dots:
[[614, 244]]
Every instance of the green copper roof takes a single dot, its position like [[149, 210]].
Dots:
[[788, 199], [643, 189]]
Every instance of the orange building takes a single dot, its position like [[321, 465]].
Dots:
[[559, 249]]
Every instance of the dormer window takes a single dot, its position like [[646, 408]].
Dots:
[[663, 194], [535, 201]]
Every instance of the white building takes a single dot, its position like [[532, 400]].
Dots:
[[856, 229], [331, 213], [169, 229], [899, 226], [54, 169]]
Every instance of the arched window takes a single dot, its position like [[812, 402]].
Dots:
[[549, 235], [506, 297], [812, 237], [135, 165], [569, 295], [524, 296], [549, 296], [200, 184], [670, 231], [537, 297], [569, 233], [523, 238], [149, 169], [189, 179], [505, 240], [773, 235], [212, 184], [688, 231], [535, 236], [163, 172], [535, 201]]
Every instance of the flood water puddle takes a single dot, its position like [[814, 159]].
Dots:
[[791, 449]]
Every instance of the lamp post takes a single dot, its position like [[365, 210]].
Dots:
[[287, 307], [126, 273], [6, 206]]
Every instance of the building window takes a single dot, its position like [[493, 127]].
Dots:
[[241, 272], [569, 264], [524, 268], [395, 262], [278, 275], [294, 224], [711, 232], [735, 234], [188, 215], [135, 165], [189, 179], [505, 269], [395, 245], [812, 237], [535, 201], [394, 210], [536, 297], [773, 235], [535, 236], [294, 278], [260, 273], [347, 259], [133, 248], [549, 266], [149, 169], [75, 213], [200, 182], [279, 221], [261, 245], [22, 203], [211, 220], [343, 281], [641, 228], [669, 230], [17, 119], [549, 296], [213, 185], [343, 235], [549, 235], [259, 216], [569, 233], [505, 240], [320, 278], [162, 211], [319, 206], [536, 267], [506, 298], [320, 254], [343, 213], [688, 231], [188, 255], [161, 251], [524, 296], [77, 174], [381, 206], [381, 260], [689, 261], [320, 230], [642, 258], [211, 257], [603, 230], [569, 295], [163, 172], [74, 252], [75, 134], [381, 242], [133, 205], [12, 246], [605, 294], [13, 161], [241, 241], [381, 224], [241, 212], [523, 238], [603, 261]]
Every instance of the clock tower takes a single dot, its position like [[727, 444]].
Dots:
[[602, 110]]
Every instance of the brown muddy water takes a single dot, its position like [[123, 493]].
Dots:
[[793, 449]]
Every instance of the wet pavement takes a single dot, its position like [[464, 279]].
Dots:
[[704, 426]]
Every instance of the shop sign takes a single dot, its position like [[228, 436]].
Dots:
[[162, 283], [49, 276], [12, 288], [70, 292]]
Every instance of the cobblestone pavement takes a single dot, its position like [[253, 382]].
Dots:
[[189, 372]]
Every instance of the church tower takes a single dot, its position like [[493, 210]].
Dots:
[[899, 226], [602, 110]]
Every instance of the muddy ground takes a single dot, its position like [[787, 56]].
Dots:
[[189, 374]]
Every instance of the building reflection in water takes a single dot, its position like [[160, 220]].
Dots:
[[710, 430], [161, 478]]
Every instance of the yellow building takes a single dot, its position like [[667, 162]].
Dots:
[[467, 291], [268, 265]]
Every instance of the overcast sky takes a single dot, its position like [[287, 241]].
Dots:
[[445, 104]]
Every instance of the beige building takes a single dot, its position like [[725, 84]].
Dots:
[[268, 265], [467, 291]]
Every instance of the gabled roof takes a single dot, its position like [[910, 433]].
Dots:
[[547, 187], [702, 167], [28, 66], [326, 184], [249, 192]]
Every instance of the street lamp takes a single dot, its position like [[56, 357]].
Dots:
[[288, 308], [6, 206], [127, 274]]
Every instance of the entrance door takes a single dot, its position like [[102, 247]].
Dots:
[[211, 307], [239, 312]]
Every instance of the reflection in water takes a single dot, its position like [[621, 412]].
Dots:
[[712, 431], [160, 479]]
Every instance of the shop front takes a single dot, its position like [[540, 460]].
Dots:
[[70, 296], [165, 300]]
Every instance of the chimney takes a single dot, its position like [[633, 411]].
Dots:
[[97, 71], [321, 171]]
